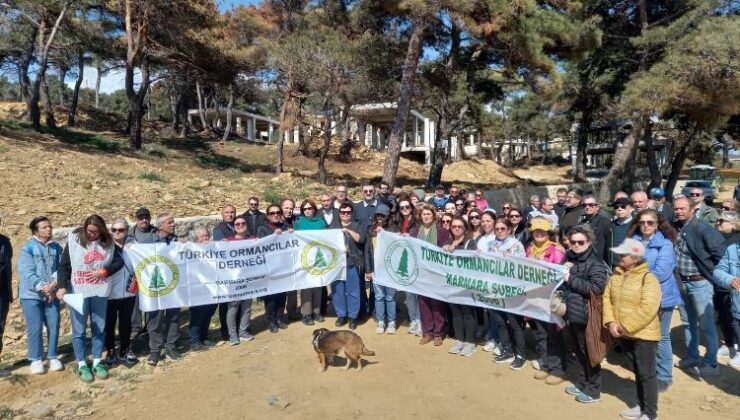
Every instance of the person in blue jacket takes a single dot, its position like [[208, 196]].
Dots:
[[727, 274], [657, 235], [37, 275]]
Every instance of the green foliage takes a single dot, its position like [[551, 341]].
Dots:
[[152, 177], [7, 412]]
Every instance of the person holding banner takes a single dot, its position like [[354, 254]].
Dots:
[[310, 298], [37, 282], [346, 293], [432, 311], [586, 280], [464, 320], [87, 260], [121, 299], [502, 243], [275, 303], [385, 297], [631, 304], [238, 330], [200, 316], [403, 220], [549, 339]]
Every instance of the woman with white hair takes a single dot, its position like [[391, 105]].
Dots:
[[631, 303]]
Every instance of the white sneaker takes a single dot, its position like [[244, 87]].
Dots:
[[380, 329], [37, 367], [55, 365], [468, 350], [723, 351], [391, 329], [492, 347], [536, 364], [412, 328], [457, 347], [735, 361]]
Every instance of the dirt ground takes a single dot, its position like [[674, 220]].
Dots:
[[277, 375]]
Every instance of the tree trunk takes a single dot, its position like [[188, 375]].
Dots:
[[345, 150], [579, 175], [324, 152], [408, 77], [614, 179], [442, 133], [76, 93], [62, 87], [46, 99], [285, 126], [201, 111], [174, 107], [656, 178], [677, 164], [229, 108], [136, 117], [182, 106], [98, 78]]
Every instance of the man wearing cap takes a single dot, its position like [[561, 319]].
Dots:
[[619, 226], [701, 209], [663, 207], [599, 223], [439, 199], [6, 291], [143, 232], [699, 247]]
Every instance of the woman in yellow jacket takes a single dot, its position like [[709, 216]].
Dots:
[[631, 304]]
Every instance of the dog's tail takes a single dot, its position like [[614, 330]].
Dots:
[[366, 352]]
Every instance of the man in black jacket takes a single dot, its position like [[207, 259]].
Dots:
[[699, 247], [599, 223], [225, 229], [255, 218], [6, 276], [573, 211], [328, 212]]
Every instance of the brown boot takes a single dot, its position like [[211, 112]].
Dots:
[[554, 380], [426, 338], [438, 341], [541, 375]]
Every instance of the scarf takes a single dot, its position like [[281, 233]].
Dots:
[[538, 252], [430, 236]]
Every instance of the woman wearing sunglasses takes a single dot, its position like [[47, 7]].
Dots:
[[586, 278], [238, 329], [445, 221], [346, 293], [403, 220], [474, 225], [510, 327], [310, 298], [432, 311], [121, 300], [658, 236], [464, 320], [385, 297], [275, 303], [518, 226]]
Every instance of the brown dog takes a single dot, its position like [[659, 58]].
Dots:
[[328, 344]]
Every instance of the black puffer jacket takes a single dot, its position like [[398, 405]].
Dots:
[[588, 274]]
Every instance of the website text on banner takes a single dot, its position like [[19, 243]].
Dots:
[[189, 274], [512, 284]]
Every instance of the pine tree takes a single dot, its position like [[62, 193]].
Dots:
[[157, 281], [320, 262], [403, 264]]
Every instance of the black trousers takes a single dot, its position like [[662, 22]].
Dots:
[[222, 309], [464, 322], [274, 305], [723, 306], [589, 378], [510, 332], [138, 323], [550, 347], [119, 312], [642, 355], [4, 307], [163, 327]]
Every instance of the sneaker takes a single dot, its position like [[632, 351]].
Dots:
[[663, 386], [55, 365], [173, 355], [353, 324], [37, 367], [198, 347], [341, 321], [130, 357], [468, 350], [153, 359], [554, 380], [518, 363], [380, 329], [235, 341], [208, 343], [688, 363], [246, 337], [573, 390], [412, 327], [723, 351], [457, 347], [541, 375], [586, 399], [282, 324], [418, 330], [391, 328], [307, 320], [504, 357], [703, 370], [633, 413], [85, 373], [318, 318], [273, 327], [735, 361], [101, 371], [537, 364], [110, 359], [492, 347]]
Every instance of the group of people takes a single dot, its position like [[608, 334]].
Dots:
[[630, 263]]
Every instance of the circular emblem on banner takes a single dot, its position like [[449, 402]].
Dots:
[[401, 263], [157, 276], [319, 257]]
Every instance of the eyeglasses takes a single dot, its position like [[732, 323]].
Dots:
[[474, 217], [240, 224], [620, 206], [647, 222], [446, 222], [308, 208], [457, 227], [590, 204], [117, 230], [368, 191], [505, 208], [579, 243], [345, 212], [725, 208], [275, 213], [404, 207], [695, 195], [514, 216], [254, 204]]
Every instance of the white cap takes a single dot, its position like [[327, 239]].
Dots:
[[630, 246]]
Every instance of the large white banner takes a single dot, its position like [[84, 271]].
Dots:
[[512, 284], [190, 274]]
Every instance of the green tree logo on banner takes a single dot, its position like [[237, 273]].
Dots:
[[157, 276], [319, 257], [157, 281], [401, 263], [319, 262]]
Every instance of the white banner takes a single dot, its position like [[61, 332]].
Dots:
[[512, 284], [183, 275]]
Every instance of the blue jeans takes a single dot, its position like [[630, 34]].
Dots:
[[200, 319], [40, 313], [385, 303], [345, 295], [95, 309], [698, 315], [664, 360], [412, 305]]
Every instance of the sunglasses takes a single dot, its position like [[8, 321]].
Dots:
[[380, 215], [458, 204], [143, 218], [695, 195], [506, 208], [579, 243], [457, 227], [590, 204], [514, 216], [91, 232], [275, 213], [474, 217], [308, 208], [647, 222], [725, 208], [240, 224], [446, 222], [117, 230], [405, 207], [368, 191], [254, 204], [620, 206], [346, 212]]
